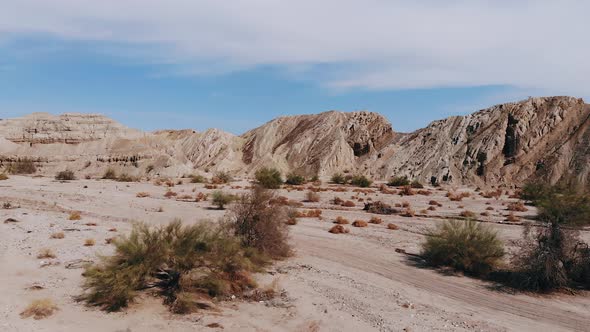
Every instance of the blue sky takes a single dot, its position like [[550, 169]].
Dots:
[[199, 64]]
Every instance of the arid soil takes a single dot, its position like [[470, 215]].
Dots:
[[334, 282]]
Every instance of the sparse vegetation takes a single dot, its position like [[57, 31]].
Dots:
[[3, 176], [58, 235], [221, 199], [360, 223], [392, 226], [221, 178], [46, 253], [89, 242], [338, 178], [66, 175], [416, 184], [110, 174], [39, 309], [463, 245], [22, 166], [348, 204], [398, 181], [375, 220], [186, 264], [517, 206], [341, 221], [124, 177], [269, 178], [295, 179], [142, 194], [467, 214], [338, 229], [259, 224], [75, 215], [360, 181], [196, 178], [311, 196]]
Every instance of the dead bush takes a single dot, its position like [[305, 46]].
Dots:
[[379, 207], [360, 223], [375, 220], [3, 176], [489, 208], [310, 196], [467, 214], [39, 309], [341, 221], [339, 229], [316, 213], [424, 192], [200, 197], [89, 242], [46, 253], [457, 196], [75, 215], [221, 178], [405, 204], [58, 235], [170, 194], [463, 245], [392, 226], [431, 208], [22, 166], [292, 221], [517, 206], [492, 194], [142, 194], [512, 218], [109, 174], [348, 204], [408, 212], [407, 191], [485, 214], [259, 224]]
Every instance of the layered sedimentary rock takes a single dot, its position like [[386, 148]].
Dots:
[[506, 144]]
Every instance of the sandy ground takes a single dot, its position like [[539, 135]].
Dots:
[[351, 282]]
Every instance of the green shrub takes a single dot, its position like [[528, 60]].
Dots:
[[416, 184], [360, 181], [110, 174], [338, 178], [221, 177], [463, 245], [221, 199], [398, 181], [260, 224], [269, 178], [196, 178], [294, 179], [65, 175], [22, 166], [178, 261]]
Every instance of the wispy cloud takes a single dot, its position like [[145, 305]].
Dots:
[[372, 44]]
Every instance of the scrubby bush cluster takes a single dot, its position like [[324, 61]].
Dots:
[[398, 181], [269, 178], [22, 166], [463, 245], [221, 199], [221, 178], [356, 180], [66, 175], [295, 179]]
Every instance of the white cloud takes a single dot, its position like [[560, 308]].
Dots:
[[375, 44]]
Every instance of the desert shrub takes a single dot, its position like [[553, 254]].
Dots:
[[221, 177], [553, 256], [269, 178], [338, 178], [431, 208], [341, 221], [407, 191], [292, 221], [310, 196], [408, 212], [110, 174], [3, 176], [457, 196], [348, 204], [416, 184], [66, 175], [398, 181], [360, 223], [467, 214], [337, 201], [379, 207], [517, 206], [294, 179], [58, 235], [22, 166], [181, 262], [536, 191], [338, 229], [196, 178], [360, 181], [221, 199], [259, 224], [375, 220], [309, 214], [124, 177], [392, 226], [142, 194], [170, 194], [463, 245], [46, 253], [75, 215], [89, 242], [492, 194], [39, 309]]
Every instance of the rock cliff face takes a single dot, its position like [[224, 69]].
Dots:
[[507, 144]]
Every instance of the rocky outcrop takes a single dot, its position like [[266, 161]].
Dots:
[[546, 138]]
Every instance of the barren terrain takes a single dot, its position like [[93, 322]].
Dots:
[[334, 282]]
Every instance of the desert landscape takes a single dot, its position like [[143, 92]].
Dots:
[[360, 202]]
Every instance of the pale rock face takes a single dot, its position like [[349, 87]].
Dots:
[[507, 144]]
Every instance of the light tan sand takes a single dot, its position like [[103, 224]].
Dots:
[[351, 282]]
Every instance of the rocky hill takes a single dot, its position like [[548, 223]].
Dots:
[[506, 144]]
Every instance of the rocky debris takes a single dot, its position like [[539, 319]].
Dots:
[[10, 220]]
